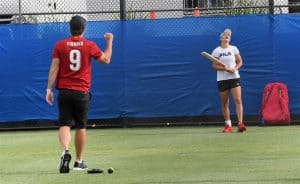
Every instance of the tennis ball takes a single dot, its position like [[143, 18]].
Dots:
[[110, 170]]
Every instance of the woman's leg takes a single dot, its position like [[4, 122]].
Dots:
[[237, 97], [225, 104]]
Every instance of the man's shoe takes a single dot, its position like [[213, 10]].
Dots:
[[227, 129], [241, 127], [80, 166], [64, 162]]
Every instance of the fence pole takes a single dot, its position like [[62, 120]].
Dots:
[[20, 12], [271, 6], [123, 9]]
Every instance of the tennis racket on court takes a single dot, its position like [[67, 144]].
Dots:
[[95, 171], [212, 58]]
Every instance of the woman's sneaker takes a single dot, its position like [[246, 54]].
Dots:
[[64, 162], [227, 129], [80, 166], [241, 127]]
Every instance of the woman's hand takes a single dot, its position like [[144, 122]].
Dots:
[[230, 70]]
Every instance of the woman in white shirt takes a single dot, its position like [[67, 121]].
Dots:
[[228, 79]]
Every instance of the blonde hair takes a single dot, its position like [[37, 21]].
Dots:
[[227, 30]]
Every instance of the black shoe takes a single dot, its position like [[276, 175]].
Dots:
[[64, 162], [80, 166]]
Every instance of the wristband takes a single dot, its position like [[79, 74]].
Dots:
[[48, 90]]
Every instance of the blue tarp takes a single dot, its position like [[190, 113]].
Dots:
[[156, 69]]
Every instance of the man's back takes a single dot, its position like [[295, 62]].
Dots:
[[75, 55]]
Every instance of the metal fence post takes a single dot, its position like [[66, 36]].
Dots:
[[123, 9], [271, 6], [20, 12]]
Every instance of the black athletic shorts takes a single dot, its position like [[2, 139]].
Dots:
[[73, 106], [225, 85]]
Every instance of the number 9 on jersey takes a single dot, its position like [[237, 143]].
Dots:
[[75, 59]]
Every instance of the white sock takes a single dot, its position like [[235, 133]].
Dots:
[[228, 122], [64, 151], [79, 161]]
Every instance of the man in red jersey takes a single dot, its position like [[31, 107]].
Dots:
[[71, 70]]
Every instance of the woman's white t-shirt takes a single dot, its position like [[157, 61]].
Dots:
[[227, 56]]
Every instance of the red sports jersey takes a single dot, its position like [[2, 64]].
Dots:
[[75, 55]]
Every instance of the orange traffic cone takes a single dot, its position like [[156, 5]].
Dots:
[[196, 12], [152, 14]]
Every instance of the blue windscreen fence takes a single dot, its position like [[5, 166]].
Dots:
[[156, 68]]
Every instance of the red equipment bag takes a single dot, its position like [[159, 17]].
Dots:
[[275, 105]]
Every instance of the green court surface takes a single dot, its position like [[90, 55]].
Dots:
[[179, 155]]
